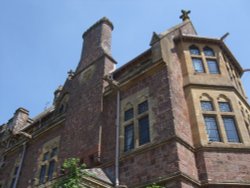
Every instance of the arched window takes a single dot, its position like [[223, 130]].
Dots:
[[196, 59], [194, 50], [208, 51]]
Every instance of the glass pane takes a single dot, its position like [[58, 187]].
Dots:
[[198, 65], [129, 137], [144, 130], [16, 170], [53, 152], [207, 106], [129, 114], [46, 156], [51, 169], [42, 174], [231, 131], [143, 107], [213, 66], [208, 51], [212, 129], [12, 183], [194, 50], [225, 107]]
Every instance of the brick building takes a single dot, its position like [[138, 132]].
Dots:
[[176, 114]]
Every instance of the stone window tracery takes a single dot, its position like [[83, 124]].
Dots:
[[47, 161]]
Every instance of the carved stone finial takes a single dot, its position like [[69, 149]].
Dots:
[[71, 74], [185, 14]]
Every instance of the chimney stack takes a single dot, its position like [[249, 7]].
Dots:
[[19, 120], [97, 42]]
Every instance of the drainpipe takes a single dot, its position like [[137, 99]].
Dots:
[[117, 183], [115, 85], [20, 165]]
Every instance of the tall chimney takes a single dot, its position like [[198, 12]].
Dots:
[[19, 120], [97, 42]]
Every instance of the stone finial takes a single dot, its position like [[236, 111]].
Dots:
[[185, 14]]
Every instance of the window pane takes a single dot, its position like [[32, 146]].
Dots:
[[212, 129], [207, 106], [51, 169], [225, 107], [194, 50], [16, 170], [213, 66], [143, 107], [42, 174], [208, 51], [144, 130], [129, 114], [53, 152], [198, 66], [129, 137], [46, 156], [12, 183], [232, 134]]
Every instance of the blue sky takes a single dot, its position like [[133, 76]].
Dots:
[[40, 41]]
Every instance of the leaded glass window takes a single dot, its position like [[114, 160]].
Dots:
[[208, 52], [51, 169], [194, 50], [42, 174], [129, 114], [53, 152], [46, 156], [225, 107], [198, 65], [212, 129], [143, 107], [231, 131], [129, 137], [207, 106], [144, 130], [213, 66]]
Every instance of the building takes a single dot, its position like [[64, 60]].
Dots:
[[176, 114]]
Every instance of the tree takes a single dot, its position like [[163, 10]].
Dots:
[[74, 171]]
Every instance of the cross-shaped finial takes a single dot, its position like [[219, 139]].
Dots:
[[185, 14]]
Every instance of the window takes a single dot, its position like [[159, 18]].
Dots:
[[225, 107], [212, 128], [136, 124], [204, 62], [129, 137], [212, 66], [208, 52], [48, 161], [129, 114], [48, 165], [143, 107], [14, 175], [207, 106], [198, 65], [42, 174], [144, 130], [194, 50], [231, 131]]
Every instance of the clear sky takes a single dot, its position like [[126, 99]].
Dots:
[[40, 40]]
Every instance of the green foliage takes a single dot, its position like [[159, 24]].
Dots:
[[73, 171], [154, 186]]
